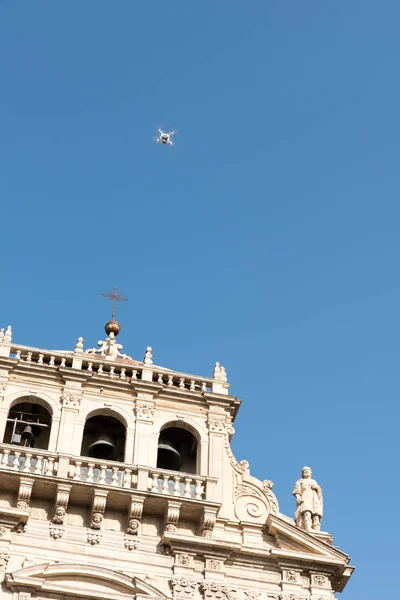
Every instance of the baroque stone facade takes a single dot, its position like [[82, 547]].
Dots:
[[117, 478]]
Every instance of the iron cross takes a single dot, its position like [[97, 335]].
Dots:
[[115, 297]]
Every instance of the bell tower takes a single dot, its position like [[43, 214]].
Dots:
[[117, 479]]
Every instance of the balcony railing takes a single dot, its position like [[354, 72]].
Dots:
[[117, 370], [103, 473]]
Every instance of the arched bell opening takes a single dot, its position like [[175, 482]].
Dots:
[[104, 438], [28, 425], [177, 450]]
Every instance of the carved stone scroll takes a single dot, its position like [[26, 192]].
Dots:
[[172, 516], [56, 527], [98, 508], [24, 493], [209, 520]]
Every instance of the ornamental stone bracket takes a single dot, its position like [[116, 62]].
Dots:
[[172, 516], [24, 493], [98, 507], [62, 497], [135, 515], [12, 519], [208, 522]]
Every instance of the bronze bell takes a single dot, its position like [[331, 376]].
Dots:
[[103, 447], [168, 456], [27, 435]]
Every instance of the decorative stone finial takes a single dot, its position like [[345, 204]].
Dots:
[[223, 375], [79, 346], [309, 502], [1, 335], [217, 371], [7, 335], [148, 357]]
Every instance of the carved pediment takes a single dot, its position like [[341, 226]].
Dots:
[[92, 582]]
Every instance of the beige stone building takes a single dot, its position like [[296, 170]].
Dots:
[[118, 482]]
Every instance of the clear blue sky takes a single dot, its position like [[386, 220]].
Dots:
[[267, 239]]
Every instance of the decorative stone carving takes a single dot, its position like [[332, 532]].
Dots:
[[56, 531], [97, 520], [98, 508], [209, 520], [3, 531], [172, 517], [217, 425], [109, 348], [183, 560], [145, 411], [24, 494], [1, 335], [319, 579], [71, 399], [214, 565], [61, 504], [20, 528], [93, 538], [272, 500], [79, 346], [133, 526], [292, 576], [24, 596], [3, 387], [135, 516], [309, 502], [216, 591], [7, 336], [131, 544], [182, 587], [217, 371]]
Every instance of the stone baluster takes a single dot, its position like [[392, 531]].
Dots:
[[188, 489], [50, 466], [112, 371], [192, 385], [4, 460], [27, 466], [18, 355], [181, 382], [102, 476], [203, 386], [15, 466], [29, 357], [127, 479], [170, 381], [114, 477], [39, 464], [154, 483], [198, 489], [100, 370], [63, 361], [90, 367], [77, 474], [160, 378], [52, 361], [40, 360], [177, 488], [123, 374], [165, 488], [90, 473]]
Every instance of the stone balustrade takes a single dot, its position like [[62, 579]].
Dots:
[[182, 485], [116, 369], [28, 460], [107, 473]]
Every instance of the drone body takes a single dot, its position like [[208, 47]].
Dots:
[[165, 138]]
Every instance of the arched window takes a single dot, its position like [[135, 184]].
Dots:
[[177, 450], [28, 424], [104, 438]]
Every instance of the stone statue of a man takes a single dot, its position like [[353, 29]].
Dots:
[[309, 502]]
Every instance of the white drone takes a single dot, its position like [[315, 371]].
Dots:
[[165, 138]]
